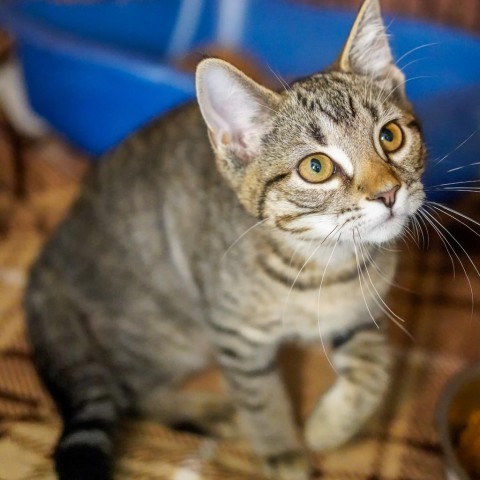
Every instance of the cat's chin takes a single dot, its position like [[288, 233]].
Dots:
[[387, 231]]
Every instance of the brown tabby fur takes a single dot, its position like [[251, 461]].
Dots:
[[175, 257]]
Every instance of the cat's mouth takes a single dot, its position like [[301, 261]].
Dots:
[[390, 216]]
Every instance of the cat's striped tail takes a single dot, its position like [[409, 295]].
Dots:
[[82, 386], [85, 448]]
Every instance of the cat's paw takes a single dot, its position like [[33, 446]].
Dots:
[[292, 465], [330, 425]]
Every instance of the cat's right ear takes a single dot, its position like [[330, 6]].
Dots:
[[236, 109], [367, 50]]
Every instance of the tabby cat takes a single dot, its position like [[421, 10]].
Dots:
[[175, 257]]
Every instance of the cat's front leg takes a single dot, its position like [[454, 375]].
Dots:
[[362, 360], [264, 410]]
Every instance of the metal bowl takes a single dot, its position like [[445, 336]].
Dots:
[[462, 382]]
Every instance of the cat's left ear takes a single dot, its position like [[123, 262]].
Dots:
[[367, 51], [236, 109]]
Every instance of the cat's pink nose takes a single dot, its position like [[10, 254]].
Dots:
[[387, 197]]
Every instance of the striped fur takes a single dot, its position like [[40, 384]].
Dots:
[[175, 257]]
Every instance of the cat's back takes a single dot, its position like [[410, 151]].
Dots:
[[134, 202]]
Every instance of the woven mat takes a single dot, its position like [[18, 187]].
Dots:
[[401, 442]]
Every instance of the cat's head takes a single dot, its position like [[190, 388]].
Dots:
[[340, 151]]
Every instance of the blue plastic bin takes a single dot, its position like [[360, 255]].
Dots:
[[97, 71]]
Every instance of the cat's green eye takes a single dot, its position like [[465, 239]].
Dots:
[[391, 137], [316, 168]]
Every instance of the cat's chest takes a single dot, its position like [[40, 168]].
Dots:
[[324, 298], [320, 312]]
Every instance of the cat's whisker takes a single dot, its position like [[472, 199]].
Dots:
[[459, 189], [387, 115], [277, 112], [422, 221], [442, 238], [383, 306], [412, 62], [392, 250], [419, 230], [368, 89], [453, 211], [285, 117], [298, 275], [460, 182], [261, 222], [361, 276], [445, 212], [282, 81], [437, 161], [402, 238], [359, 272], [440, 225], [384, 88], [305, 264], [318, 301], [412, 225], [462, 167], [406, 233], [416, 231], [386, 85], [410, 234], [297, 248], [382, 274], [425, 45], [402, 69], [386, 312], [287, 88], [328, 236], [458, 257], [401, 84]]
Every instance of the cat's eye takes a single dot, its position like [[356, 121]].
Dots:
[[316, 168], [391, 137]]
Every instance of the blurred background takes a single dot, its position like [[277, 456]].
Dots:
[[96, 71], [76, 77]]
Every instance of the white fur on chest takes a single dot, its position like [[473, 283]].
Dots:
[[308, 315], [333, 307]]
